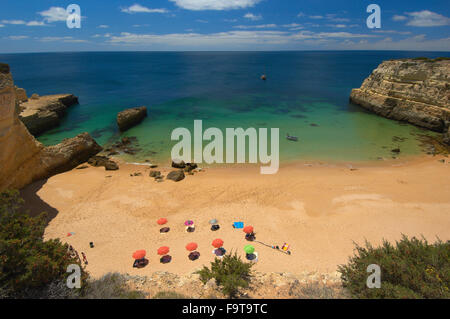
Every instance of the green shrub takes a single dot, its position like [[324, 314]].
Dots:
[[412, 268], [230, 273], [111, 286], [28, 264]]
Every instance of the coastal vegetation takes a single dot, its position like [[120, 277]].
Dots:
[[29, 266], [230, 274], [412, 268]]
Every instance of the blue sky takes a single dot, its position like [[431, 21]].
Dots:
[[115, 25]]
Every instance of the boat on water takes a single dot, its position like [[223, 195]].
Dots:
[[291, 138]]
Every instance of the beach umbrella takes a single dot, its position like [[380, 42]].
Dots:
[[163, 250], [162, 221], [217, 243], [248, 229], [139, 254], [249, 249], [213, 221], [191, 246], [188, 223]]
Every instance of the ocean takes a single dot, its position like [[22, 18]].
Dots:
[[306, 95]]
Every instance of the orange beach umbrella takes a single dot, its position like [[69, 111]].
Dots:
[[248, 229], [217, 243], [163, 250], [162, 221], [191, 246], [139, 254]]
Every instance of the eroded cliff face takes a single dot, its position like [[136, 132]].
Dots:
[[22, 158], [412, 90], [19, 151]]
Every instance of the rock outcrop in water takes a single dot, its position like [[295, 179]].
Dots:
[[411, 90], [42, 113], [131, 117], [22, 158]]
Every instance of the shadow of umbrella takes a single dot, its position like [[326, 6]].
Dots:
[[194, 255], [166, 259]]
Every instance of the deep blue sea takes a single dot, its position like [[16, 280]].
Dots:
[[306, 95]]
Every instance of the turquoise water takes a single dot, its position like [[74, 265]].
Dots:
[[306, 95]]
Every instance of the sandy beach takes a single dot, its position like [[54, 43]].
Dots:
[[319, 209]]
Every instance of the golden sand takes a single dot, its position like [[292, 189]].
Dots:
[[320, 210]]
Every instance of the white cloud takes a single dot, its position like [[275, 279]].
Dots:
[[300, 14], [103, 26], [399, 18], [253, 17], [316, 17], [215, 4], [22, 22], [36, 24], [261, 26], [232, 39], [392, 32], [54, 14], [18, 37], [137, 8], [292, 25], [427, 18], [15, 22], [2, 25]]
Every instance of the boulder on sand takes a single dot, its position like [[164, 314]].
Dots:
[[178, 163], [176, 176], [104, 161], [68, 154], [131, 117]]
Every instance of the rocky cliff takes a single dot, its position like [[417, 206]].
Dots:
[[22, 158], [42, 113], [411, 90]]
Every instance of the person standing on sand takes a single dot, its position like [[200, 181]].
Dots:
[[84, 258]]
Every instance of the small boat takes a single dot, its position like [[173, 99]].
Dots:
[[263, 77], [292, 138]]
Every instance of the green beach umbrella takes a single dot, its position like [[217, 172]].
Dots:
[[249, 249]]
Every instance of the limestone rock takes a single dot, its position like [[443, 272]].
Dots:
[[22, 158], [131, 117], [44, 113], [447, 137], [104, 161], [21, 95], [411, 90], [68, 154], [176, 176], [178, 163]]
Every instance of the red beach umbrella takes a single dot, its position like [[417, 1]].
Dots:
[[217, 243], [191, 246], [248, 229], [139, 254], [162, 221], [163, 250]]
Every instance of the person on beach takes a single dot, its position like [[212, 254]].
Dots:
[[84, 258]]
